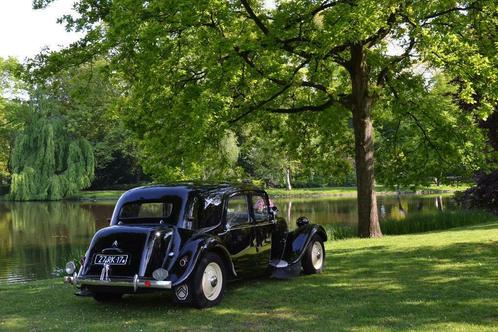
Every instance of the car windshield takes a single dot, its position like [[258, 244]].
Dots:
[[165, 210]]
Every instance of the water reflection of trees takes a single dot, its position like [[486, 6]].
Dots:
[[344, 211], [321, 211], [37, 237]]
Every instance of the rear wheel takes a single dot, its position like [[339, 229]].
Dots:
[[107, 297], [314, 257], [206, 285]]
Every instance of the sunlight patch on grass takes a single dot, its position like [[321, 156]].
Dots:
[[443, 280], [13, 323]]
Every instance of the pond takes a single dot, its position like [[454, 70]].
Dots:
[[38, 238]]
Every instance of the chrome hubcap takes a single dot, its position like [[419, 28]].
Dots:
[[317, 255], [212, 281]]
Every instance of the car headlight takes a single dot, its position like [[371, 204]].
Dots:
[[70, 267]]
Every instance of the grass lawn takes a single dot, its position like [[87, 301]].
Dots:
[[434, 281], [351, 191], [98, 195]]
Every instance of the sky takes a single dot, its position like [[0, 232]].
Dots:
[[24, 32]]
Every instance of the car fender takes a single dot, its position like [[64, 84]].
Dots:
[[299, 239], [193, 250]]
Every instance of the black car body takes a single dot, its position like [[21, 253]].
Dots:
[[192, 239]]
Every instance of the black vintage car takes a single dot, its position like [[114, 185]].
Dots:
[[192, 239]]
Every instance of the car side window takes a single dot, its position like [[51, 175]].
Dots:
[[237, 210], [260, 208]]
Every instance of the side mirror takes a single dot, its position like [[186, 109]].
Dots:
[[302, 221]]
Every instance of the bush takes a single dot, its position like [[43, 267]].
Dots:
[[339, 232], [419, 223]]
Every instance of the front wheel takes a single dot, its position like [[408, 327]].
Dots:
[[206, 285], [314, 257]]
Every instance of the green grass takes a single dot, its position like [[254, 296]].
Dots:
[[444, 281], [351, 191], [97, 195], [298, 192], [449, 188], [274, 192]]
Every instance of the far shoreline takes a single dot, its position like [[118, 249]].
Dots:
[[339, 192], [317, 192]]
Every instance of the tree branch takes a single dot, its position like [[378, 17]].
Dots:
[[260, 104], [318, 86], [254, 17], [245, 56], [382, 32], [329, 4], [382, 76], [304, 108], [450, 10], [420, 127], [334, 54], [284, 88], [426, 136]]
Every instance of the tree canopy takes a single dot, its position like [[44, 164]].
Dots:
[[196, 69], [12, 111], [425, 136], [89, 100]]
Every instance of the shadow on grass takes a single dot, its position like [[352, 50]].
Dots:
[[425, 288]]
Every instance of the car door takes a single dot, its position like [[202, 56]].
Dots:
[[263, 227], [239, 233]]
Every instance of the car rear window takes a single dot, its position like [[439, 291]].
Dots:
[[147, 210], [159, 211]]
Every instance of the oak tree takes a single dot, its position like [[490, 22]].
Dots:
[[197, 67]]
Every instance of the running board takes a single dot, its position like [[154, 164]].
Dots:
[[286, 272]]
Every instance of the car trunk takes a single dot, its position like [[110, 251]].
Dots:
[[128, 250]]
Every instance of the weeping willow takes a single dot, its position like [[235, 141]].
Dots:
[[48, 164]]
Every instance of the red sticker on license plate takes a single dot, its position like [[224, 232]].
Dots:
[[111, 259]]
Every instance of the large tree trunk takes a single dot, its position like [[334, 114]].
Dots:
[[368, 219]]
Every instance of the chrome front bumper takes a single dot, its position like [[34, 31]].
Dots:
[[135, 284]]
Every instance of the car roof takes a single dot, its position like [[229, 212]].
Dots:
[[183, 189]]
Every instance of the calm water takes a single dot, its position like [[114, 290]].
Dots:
[[37, 239]]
